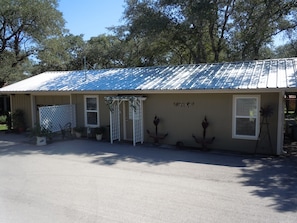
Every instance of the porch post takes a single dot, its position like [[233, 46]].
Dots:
[[10, 99], [141, 121], [33, 110], [111, 127], [118, 120], [133, 116], [124, 121], [280, 125]]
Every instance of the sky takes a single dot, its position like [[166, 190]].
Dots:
[[91, 17]]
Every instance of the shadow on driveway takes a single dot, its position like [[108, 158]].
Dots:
[[270, 177], [104, 153], [274, 178]]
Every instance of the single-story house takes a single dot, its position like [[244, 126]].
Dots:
[[232, 96]]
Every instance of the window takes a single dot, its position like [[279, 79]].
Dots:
[[246, 116], [91, 111]]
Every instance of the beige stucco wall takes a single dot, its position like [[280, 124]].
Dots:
[[180, 122], [104, 112], [180, 116], [52, 100], [23, 102], [78, 100]]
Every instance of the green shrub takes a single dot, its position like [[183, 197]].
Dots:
[[3, 127], [3, 119]]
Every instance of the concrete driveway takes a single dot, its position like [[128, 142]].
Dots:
[[88, 181]]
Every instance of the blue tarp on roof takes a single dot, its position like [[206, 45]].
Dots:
[[261, 74]]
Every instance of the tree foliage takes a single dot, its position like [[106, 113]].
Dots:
[[155, 32], [256, 22], [289, 49], [24, 24], [211, 31], [104, 52], [60, 53]]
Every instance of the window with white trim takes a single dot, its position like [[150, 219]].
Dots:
[[91, 111], [246, 117]]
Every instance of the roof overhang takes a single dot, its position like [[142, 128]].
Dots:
[[131, 93]]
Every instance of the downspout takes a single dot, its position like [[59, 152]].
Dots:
[[280, 126], [111, 126]]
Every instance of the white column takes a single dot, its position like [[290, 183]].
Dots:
[[141, 119], [118, 120], [111, 125], [124, 121], [33, 110], [280, 125], [134, 133]]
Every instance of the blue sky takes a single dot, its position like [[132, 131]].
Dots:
[[91, 17]]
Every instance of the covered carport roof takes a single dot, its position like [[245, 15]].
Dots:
[[259, 74]]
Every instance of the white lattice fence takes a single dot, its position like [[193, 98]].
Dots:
[[137, 123], [115, 121], [54, 116]]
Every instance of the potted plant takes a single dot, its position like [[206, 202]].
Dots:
[[99, 133], [18, 120], [42, 134], [78, 131]]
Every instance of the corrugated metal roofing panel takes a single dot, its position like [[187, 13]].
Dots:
[[262, 74], [198, 77], [272, 75], [255, 77], [226, 80], [179, 75], [291, 73], [234, 76], [282, 76], [208, 74], [221, 73], [187, 83], [245, 75]]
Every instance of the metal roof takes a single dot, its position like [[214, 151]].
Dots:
[[260, 74]]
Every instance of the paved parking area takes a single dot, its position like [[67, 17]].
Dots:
[[89, 181]]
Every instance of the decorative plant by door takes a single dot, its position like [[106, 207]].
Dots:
[[204, 141], [156, 136], [266, 113]]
